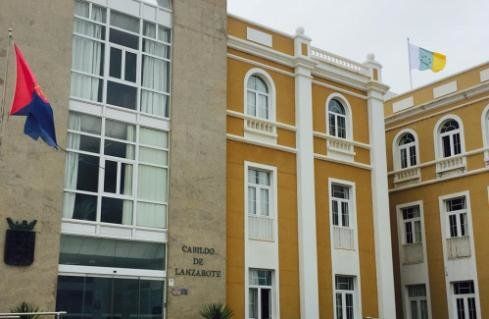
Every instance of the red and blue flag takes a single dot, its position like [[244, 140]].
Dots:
[[30, 101]]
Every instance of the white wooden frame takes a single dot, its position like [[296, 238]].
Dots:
[[396, 149]]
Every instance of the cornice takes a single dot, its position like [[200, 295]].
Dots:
[[438, 103]]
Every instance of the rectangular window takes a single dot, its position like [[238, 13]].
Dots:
[[137, 78], [417, 303], [412, 225], [101, 183], [344, 297], [456, 209], [260, 294], [464, 300], [259, 192], [340, 205]]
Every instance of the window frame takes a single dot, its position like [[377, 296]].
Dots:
[[465, 297], [269, 82], [343, 293], [348, 116], [396, 154], [259, 289], [417, 300], [340, 201], [412, 222], [105, 77], [103, 158], [438, 137], [258, 187], [485, 133], [461, 229]]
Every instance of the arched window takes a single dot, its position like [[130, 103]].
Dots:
[[337, 119], [407, 150], [450, 141], [258, 98]]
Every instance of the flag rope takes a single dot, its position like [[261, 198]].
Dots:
[[5, 79]]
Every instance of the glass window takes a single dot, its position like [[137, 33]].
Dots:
[[407, 150], [98, 297], [418, 306], [412, 225], [110, 175], [260, 294], [457, 217], [344, 297], [450, 138], [337, 119], [258, 98], [340, 205], [103, 252], [259, 192], [140, 75], [464, 300]]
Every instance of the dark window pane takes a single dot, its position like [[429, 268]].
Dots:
[[403, 158], [447, 152], [85, 207], [110, 182], [119, 149], [332, 125], [344, 215], [130, 72], [97, 298], [88, 168], [335, 213], [460, 309], [123, 38], [116, 211], [453, 225], [472, 310], [266, 309], [121, 95], [151, 299], [339, 307], [125, 296], [124, 21], [69, 296], [341, 127], [409, 233], [115, 63]]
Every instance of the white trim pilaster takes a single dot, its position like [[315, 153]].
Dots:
[[380, 201], [306, 203]]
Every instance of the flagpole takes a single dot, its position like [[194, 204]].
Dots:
[[5, 79], [409, 65]]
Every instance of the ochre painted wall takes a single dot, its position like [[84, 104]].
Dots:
[[285, 163], [361, 178]]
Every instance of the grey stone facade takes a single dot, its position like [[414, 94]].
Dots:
[[31, 173], [197, 206]]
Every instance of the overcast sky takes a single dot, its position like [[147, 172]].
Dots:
[[353, 28]]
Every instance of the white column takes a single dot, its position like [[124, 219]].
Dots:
[[306, 203], [380, 195]]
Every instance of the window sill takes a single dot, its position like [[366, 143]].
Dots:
[[407, 176]]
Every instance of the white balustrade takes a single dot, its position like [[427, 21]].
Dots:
[[343, 238], [261, 228], [412, 253], [458, 247], [340, 145], [450, 164], [339, 61], [261, 126], [407, 175]]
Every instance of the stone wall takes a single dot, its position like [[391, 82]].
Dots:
[[197, 206], [31, 173]]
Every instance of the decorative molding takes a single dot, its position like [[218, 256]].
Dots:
[[278, 147], [402, 104], [438, 103], [243, 116], [259, 37], [444, 89], [338, 161], [484, 75]]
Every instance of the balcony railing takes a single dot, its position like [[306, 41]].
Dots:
[[261, 228], [450, 164], [407, 175], [458, 247], [339, 61], [339, 145], [261, 126], [343, 238], [412, 253]]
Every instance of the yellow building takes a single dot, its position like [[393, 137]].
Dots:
[[307, 235], [437, 142]]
